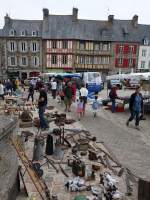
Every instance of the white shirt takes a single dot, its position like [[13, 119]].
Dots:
[[54, 85], [1, 89], [83, 92]]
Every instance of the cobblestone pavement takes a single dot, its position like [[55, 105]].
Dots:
[[130, 146]]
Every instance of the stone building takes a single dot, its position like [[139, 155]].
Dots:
[[23, 47]]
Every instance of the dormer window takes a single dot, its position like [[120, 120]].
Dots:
[[145, 41], [34, 33], [23, 33], [12, 32]]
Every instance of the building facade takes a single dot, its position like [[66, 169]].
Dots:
[[126, 56], [23, 47], [65, 43], [144, 56]]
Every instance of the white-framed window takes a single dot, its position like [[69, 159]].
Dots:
[[121, 48], [96, 47], [95, 60], [35, 46], [24, 61], [105, 47], [120, 61], [131, 48], [36, 61], [12, 46], [23, 46], [130, 61], [142, 64], [12, 61], [23, 33], [145, 41], [12, 33], [35, 33], [64, 59], [65, 44], [144, 52], [54, 44], [54, 59]]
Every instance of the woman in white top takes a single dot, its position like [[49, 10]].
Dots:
[[84, 94], [1, 90]]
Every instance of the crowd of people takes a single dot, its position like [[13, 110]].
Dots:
[[64, 91]]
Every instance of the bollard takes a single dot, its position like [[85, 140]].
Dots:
[[38, 152]]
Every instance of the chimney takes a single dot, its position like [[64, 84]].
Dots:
[[45, 13], [135, 20], [7, 19], [74, 14], [110, 18]]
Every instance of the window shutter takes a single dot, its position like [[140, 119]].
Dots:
[[126, 48], [135, 49], [117, 48]]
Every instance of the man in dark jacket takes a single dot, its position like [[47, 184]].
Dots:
[[136, 107], [42, 103], [31, 93]]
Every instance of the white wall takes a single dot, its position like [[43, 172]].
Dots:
[[145, 58]]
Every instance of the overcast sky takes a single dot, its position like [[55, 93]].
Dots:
[[88, 9]]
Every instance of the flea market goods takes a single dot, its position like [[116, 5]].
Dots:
[[78, 168], [26, 116]]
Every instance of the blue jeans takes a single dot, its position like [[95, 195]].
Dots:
[[113, 106], [43, 122], [135, 115]]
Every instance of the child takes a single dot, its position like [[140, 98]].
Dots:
[[95, 106], [80, 105]]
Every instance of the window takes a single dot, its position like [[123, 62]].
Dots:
[[131, 48], [144, 52], [23, 33], [24, 61], [34, 33], [82, 45], [105, 47], [142, 64], [54, 59], [130, 61], [121, 48], [81, 60], [95, 60], [35, 46], [120, 61], [12, 46], [54, 44], [64, 59], [36, 61], [12, 32], [64, 44], [23, 46], [96, 47], [12, 61]]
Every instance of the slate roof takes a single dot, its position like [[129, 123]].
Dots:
[[23, 25], [62, 27]]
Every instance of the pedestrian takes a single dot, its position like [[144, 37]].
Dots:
[[84, 94], [1, 90], [42, 103], [31, 93], [113, 96], [136, 107], [95, 106], [80, 108], [68, 97], [54, 88]]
